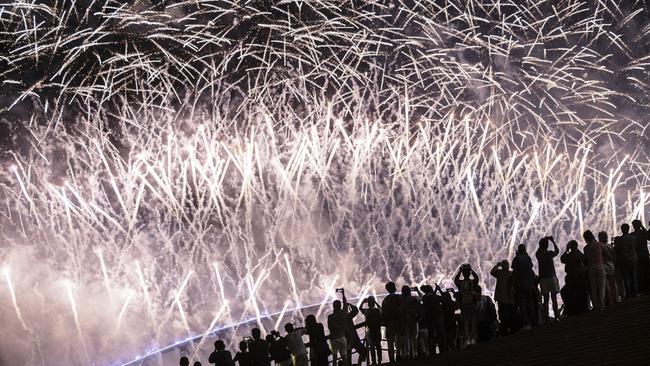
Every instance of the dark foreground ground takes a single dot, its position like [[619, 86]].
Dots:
[[619, 335]]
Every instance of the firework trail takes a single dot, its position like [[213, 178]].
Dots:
[[205, 162]]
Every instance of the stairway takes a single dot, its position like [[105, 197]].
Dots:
[[619, 335]]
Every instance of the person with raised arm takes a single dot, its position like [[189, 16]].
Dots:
[[243, 357], [466, 280], [353, 340], [372, 314], [574, 293], [296, 344], [548, 282], [279, 349], [504, 295], [259, 349], [220, 356], [337, 325]]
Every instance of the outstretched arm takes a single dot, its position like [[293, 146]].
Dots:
[[362, 305], [556, 250], [494, 270], [353, 310]]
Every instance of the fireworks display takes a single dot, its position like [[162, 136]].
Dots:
[[169, 168]]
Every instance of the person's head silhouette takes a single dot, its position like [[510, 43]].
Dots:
[[573, 245], [543, 243], [371, 302], [197, 363], [427, 289], [219, 345], [391, 288], [337, 305], [603, 237], [269, 338], [184, 361], [243, 346], [521, 249], [256, 333], [637, 225], [589, 236], [406, 291], [310, 320], [625, 229], [505, 264], [288, 327]]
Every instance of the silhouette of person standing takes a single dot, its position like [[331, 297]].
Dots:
[[523, 280], [390, 308], [279, 349], [575, 291], [449, 308], [373, 328], [626, 258], [433, 317], [243, 357], [220, 357], [319, 351], [409, 321], [643, 264], [595, 255], [422, 326], [469, 298], [296, 344], [184, 361], [610, 270], [259, 349], [504, 295], [548, 281], [337, 325], [351, 335]]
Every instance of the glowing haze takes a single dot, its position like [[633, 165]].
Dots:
[[169, 168]]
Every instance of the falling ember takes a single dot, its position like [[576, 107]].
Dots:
[[123, 310], [13, 298], [75, 315], [107, 282]]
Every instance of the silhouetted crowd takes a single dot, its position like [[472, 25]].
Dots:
[[425, 320]]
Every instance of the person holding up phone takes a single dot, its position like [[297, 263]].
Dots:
[[337, 325], [373, 328], [548, 282], [469, 296]]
